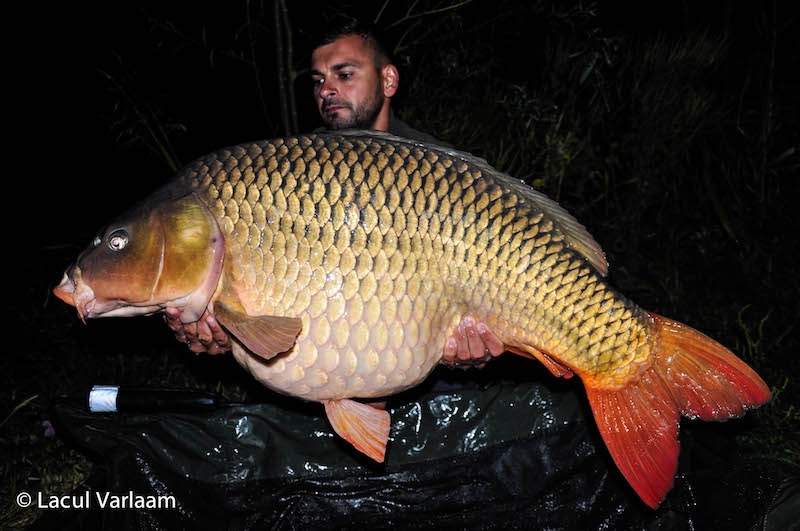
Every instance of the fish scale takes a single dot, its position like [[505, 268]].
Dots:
[[380, 247], [340, 263]]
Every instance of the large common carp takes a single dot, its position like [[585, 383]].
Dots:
[[340, 263]]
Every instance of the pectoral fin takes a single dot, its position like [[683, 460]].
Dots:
[[264, 335], [362, 425]]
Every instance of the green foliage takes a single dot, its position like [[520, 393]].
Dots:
[[751, 350]]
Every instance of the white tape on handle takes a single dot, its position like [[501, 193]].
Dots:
[[103, 399]]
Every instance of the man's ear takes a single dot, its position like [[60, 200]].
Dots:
[[390, 78]]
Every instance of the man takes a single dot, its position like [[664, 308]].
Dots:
[[353, 84]]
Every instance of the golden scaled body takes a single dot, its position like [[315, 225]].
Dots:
[[380, 247], [340, 263]]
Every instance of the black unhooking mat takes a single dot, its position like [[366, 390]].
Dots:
[[509, 456]]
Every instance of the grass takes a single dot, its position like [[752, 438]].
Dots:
[[34, 462]]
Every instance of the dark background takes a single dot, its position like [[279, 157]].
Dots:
[[669, 128]]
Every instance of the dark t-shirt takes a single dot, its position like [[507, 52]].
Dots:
[[398, 127]]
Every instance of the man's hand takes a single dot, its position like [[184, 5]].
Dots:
[[471, 345], [204, 335]]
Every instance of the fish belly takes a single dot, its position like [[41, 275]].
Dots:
[[380, 246], [363, 348]]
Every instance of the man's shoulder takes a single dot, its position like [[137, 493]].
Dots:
[[398, 127]]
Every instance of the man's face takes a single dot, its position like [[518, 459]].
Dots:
[[348, 86]]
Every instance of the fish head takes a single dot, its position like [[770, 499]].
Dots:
[[159, 255]]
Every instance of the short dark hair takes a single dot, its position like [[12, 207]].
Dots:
[[343, 25]]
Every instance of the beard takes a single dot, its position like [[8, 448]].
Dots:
[[362, 116]]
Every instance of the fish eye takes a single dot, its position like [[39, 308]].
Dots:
[[117, 240]]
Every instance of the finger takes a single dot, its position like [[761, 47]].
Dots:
[[449, 355], [462, 347], [221, 338], [214, 349], [490, 340], [477, 349], [174, 323], [207, 339], [204, 335], [197, 347], [173, 318], [190, 331]]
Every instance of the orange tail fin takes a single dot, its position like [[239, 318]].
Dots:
[[692, 375]]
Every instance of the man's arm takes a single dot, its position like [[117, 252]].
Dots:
[[472, 343]]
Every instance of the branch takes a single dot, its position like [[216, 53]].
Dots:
[[380, 12], [409, 16], [251, 41], [291, 74], [280, 61]]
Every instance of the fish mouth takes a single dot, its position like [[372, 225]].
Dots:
[[77, 293]]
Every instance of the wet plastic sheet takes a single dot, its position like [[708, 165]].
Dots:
[[511, 456]]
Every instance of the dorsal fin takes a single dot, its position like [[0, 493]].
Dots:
[[575, 234]]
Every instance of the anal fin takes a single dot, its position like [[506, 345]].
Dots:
[[558, 370], [362, 425], [264, 335]]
